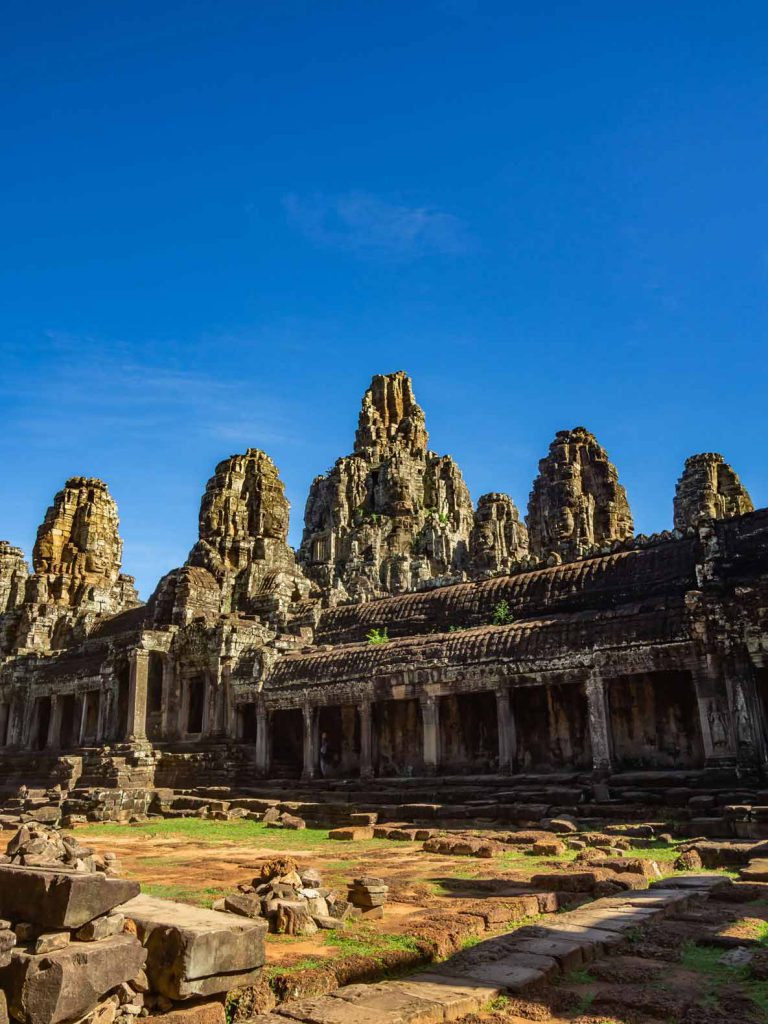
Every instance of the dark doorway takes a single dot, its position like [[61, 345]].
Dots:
[[654, 721], [552, 727], [196, 705], [155, 682], [248, 723], [68, 733], [339, 741], [91, 726], [397, 738], [123, 674], [469, 734], [42, 722], [155, 695], [287, 735], [5, 722]]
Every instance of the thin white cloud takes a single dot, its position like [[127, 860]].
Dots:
[[369, 226], [105, 389]]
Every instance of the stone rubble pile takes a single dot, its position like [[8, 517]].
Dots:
[[36, 845], [368, 894], [80, 945], [293, 901], [65, 947]]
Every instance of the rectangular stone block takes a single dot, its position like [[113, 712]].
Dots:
[[66, 984], [196, 952], [59, 899]]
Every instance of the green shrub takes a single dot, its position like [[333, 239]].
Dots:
[[502, 614], [377, 636]]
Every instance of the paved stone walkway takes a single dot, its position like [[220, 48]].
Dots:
[[507, 963]]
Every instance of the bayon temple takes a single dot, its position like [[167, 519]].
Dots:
[[412, 635]]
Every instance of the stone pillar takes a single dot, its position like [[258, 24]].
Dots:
[[83, 713], [507, 731], [14, 723], [366, 746], [599, 727], [53, 739], [747, 713], [228, 700], [137, 697], [310, 743], [430, 727], [262, 741], [717, 732]]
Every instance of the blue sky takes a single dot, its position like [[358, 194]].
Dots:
[[219, 220]]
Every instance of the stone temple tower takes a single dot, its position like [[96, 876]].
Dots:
[[577, 502]]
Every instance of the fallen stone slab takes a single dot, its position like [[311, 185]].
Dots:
[[67, 984], [755, 871], [509, 973], [710, 884], [595, 941], [198, 1013], [196, 952], [457, 996], [327, 1010], [568, 953], [392, 1002], [55, 898]]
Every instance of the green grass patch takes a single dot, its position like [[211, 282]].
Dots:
[[367, 942], [705, 962], [184, 893], [210, 833], [499, 1003], [517, 858], [657, 850], [307, 963], [578, 977]]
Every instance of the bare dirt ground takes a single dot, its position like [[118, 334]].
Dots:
[[200, 869]]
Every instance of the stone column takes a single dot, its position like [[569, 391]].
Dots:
[[366, 747], [53, 739], [137, 697], [310, 745], [717, 732], [83, 713], [262, 741], [16, 724], [747, 714], [505, 724], [228, 700], [430, 726], [599, 727]]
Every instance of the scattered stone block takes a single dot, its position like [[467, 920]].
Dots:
[[50, 941], [101, 928], [59, 899], [352, 834], [67, 984], [197, 1013], [548, 848], [195, 952]]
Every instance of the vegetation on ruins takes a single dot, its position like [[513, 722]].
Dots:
[[502, 614], [378, 636]]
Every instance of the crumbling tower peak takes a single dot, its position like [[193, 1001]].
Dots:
[[391, 516], [78, 547], [577, 503], [390, 417], [708, 489]]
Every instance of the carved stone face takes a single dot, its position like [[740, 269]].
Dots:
[[563, 523]]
